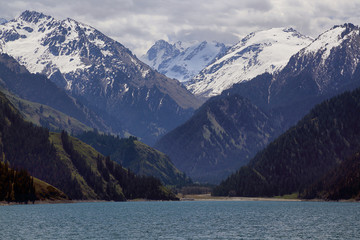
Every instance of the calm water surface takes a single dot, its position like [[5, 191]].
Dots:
[[182, 220]]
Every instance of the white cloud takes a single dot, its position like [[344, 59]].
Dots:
[[139, 23]]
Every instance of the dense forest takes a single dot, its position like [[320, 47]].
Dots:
[[304, 154], [55, 159], [16, 186], [343, 182], [137, 156], [133, 186], [25, 146]]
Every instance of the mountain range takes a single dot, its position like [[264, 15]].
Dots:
[[137, 156], [99, 72], [326, 67], [16, 79], [142, 159], [223, 134], [318, 157], [67, 163], [259, 52], [81, 79], [182, 60]]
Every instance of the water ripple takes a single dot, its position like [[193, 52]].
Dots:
[[182, 220]]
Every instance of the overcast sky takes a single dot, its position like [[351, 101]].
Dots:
[[139, 23]]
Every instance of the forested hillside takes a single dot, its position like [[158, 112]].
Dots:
[[304, 154], [224, 134], [16, 186], [19, 186], [137, 156], [317, 72], [343, 182], [37, 88], [68, 164], [45, 116]]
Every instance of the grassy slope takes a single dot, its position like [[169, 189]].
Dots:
[[151, 162], [155, 163], [89, 154], [45, 116], [86, 175], [137, 156], [221, 136], [45, 191]]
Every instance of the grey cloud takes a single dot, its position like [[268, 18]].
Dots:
[[139, 23], [204, 34], [260, 5]]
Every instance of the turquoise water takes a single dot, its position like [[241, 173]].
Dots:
[[182, 220]]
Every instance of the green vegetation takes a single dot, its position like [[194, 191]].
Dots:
[[37, 88], [304, 154], [343, 182], [137, 156], [288, 196], [45, 116], [68, 164], [107, 179], [223, 134], [16, 186], [19, 186], [25, 146], [45, 191]]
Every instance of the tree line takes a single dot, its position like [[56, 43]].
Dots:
[[26, 146], [16, 186], [307, 157], [113, 175]]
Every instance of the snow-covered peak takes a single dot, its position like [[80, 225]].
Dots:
[[46, 45], [182, 60], [331, 39], [331, 61], [100, 71], [257, 53], [33, 16], [158, 52], [182, 46], [39, 42]]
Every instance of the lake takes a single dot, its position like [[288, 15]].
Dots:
[[182, 220]]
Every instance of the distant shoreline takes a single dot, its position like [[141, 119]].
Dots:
[[195, 197], [208, 197], [4, 203]]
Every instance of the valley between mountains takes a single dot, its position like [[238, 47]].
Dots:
[[83, 118]]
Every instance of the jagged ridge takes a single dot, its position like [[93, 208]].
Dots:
[[259, 52], [182, 61], [101, 72]]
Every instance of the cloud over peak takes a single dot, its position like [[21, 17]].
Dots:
[[139, 23]]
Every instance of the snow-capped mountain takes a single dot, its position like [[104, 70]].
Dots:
[[180, 60], [204, 145], [259, 52], [329, 65], [100, 71]]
